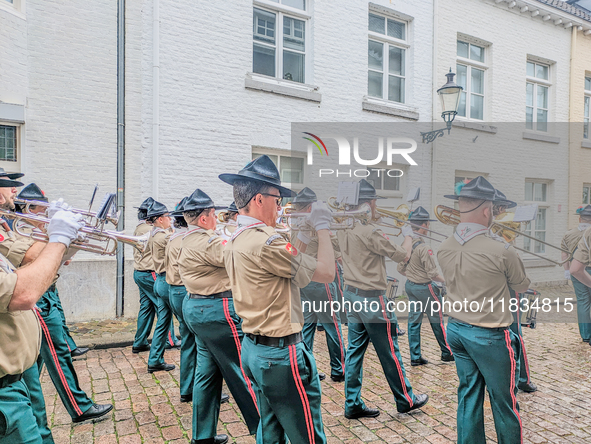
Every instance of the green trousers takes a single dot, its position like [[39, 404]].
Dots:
[[523, 363], [316, 294], [378, 325], [486, 358], [145, 281], [218, 335], [162, 331], [56, 356], [583, 307], [32, 380], [188, 347], [55, 298], [288, 392], [17, 420], [421, 298]]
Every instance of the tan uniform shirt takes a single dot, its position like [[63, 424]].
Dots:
[[143, 260], [158, 241], [364, 249], [14, 247], [421, 268], [20, 333], [312, 247], [481, 270], [582, 254], [173, 250], [572, 237], [201, 262], [266, 273]]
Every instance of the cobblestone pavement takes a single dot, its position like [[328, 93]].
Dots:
[[148, 410]]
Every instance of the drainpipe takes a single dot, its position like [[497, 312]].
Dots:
[[155, 95], [120, 150], [434, 103]]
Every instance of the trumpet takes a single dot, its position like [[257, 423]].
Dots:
[[400, 217], [447, 215], [93, 217], [342, 220], [224, 216], [92, 239]]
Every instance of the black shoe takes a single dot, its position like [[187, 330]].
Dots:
[[218, 439], [225, 398], [420, 361], [401, 332], [321, 376], [586, 340], [365, 413], [143, 348], [420, 401], [79, 351], [161, 367], [527, 387], [320, 328], [187, 398], [96, 411], [448, 358], [339, 378], [177, 344]]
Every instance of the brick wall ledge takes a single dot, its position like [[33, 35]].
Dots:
[[475, 126], [282, 87], [541, 137], [586, 144], [389, 108]]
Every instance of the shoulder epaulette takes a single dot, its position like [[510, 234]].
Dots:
[[211, 239], [273, 238]]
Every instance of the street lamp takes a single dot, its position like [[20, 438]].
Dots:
[[449, 94]]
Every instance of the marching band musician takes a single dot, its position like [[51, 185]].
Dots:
[[480, 271], [266, 272], [580, 267], [570, 242], [314, 291], [209, 312], [420, 272], [364, 249]]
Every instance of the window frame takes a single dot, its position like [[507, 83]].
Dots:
[[388, 41], [470, 64], [538, 82], [588, 187], [296, 187], [389, 193], [587, 105], [280, 11], [542, 205], [14, 165], [16, 7]]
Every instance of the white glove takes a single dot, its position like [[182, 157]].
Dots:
[[320, 217], [304, 238], [407, 230], [567, 274], [55, 206], [64, 226]]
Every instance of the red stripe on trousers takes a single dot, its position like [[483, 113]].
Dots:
[[512, 387], [400, 375], [170, 339], [57, 363], [293, 358], [336, 326], [239, 349], [154, 276], [440, 318]]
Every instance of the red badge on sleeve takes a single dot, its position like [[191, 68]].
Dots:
[[293, 250], [431, 252], [384, 234], [224, 242], [1, 238]]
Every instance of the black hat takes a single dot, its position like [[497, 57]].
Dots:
[[367, 191], [32, 192], [6, 183], [157, 209], [478, 188], [11, 176], [304, 197], [501, 200], [232, 208], [584, 211], [200, 201], [263, 170], [146, 204], [178, 209], [420, 215]]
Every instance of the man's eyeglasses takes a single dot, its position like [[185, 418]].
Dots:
[[279, 199]]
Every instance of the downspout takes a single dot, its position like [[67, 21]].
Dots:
[[120, 150], [434, 104], [155, 95]]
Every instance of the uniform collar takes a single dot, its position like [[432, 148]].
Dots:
[[467, 231], [243, 221], [583, 227]]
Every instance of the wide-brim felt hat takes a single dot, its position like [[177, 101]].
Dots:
[[178, 210], [306, 196], [32, 192], [501, 199], [232, 208], [145, 205], [11, 176], [7, 183], [478, 188], [262, 170], [157, 209], [367, 191], [200, 201], [420, 215], [584, 211]]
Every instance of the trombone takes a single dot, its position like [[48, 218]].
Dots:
[[400, 216], [447, 215], [94, 219], [342, 220]]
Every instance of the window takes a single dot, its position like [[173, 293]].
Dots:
[[384, 179], [536, 192], [471, 70], [279, 42], [387, 58], [587, 106], [8, 143], [290, 168], [586, 194], [537, 92]]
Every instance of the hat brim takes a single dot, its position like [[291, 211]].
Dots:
[[164, 213], [231, 178], [476, 196], [375, 196], [6, 183], [506, 203], [215, 207]]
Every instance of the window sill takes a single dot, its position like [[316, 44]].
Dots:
[[586, 144], [474, 126], [537, 263], [282, 87], [390, 108], [390, 195], [12, 10], [10, 112], [540, 137]]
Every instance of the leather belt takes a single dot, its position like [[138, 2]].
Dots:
[[223, 294], [281, 342], [5, 381], [146, 271], [458, 321], [365, 293]]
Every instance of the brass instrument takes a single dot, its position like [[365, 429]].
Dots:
[[105, 241], [400, 216], [93, 218], [342, 220], [224, 217], [447, 215]]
